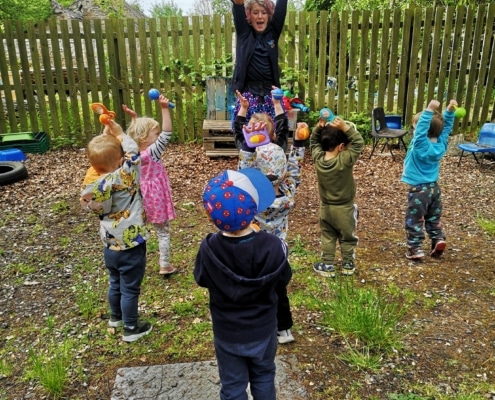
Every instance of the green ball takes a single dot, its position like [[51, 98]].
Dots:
[[460, 112]]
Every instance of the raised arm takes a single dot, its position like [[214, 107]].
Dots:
[[166, 118]]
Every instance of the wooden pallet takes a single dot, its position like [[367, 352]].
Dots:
[[218, 139]]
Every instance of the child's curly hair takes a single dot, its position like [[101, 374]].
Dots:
[[436, 124], [268, 5], [141, 127]]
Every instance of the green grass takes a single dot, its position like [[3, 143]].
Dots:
[[488, 225], [6, 368], [88, 299], [366, 315], [51, 368]]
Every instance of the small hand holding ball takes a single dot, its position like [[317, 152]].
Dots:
[[277, 94], [302, 131], [460, 112], [154, 94], [105, 119]]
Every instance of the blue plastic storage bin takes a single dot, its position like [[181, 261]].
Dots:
[[394, 121], [12, 155]]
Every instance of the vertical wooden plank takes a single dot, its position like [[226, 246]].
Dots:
[[228, 35], [100, 42], [217, 35], [467, 38], [454, 76], [445, 54], [165, 52], [282, 44], [176, 74], [124, 80], [144, 67], [30, 102], [331, 76], [302, 55], [434, 65], [363, 57], [352, 54], [153, 56], [412, 93], [9, 82], [229, 70], [290, 34], [322, 59], [22, 56], [373, 56], [40, 109], [58, 65], [404, 63], [423, 76], [81, 93], [207, 33], [154, 68], [393, 79], [342, 73], [482, 70], [114, 68], [92, 65], [490, 81], [198, 87], [134, 98], [474, 55], [312, 65], [383, 64], [187, 81], [69, 81]]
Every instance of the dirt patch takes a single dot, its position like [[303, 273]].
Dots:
[[451, 339]]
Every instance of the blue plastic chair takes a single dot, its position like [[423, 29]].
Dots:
[[484, 145]]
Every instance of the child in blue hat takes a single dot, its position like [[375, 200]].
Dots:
[[241, 268]]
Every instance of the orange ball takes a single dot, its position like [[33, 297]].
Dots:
[[105, 119], [302, 133]]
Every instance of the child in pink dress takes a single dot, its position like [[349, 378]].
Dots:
[[155, 185]]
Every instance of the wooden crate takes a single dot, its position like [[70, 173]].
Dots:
[[220, 146], [218, 139]]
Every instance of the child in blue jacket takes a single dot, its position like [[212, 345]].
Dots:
[[421, 170]]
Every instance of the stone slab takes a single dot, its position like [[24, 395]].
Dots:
[[196, 381]]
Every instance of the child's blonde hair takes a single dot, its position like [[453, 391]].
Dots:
[[104, 152], [436, 124], [262, 117], [141, 127]]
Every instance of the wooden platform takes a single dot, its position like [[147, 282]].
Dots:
[[218, 139]]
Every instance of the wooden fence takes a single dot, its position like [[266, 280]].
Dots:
[[52, 71]]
